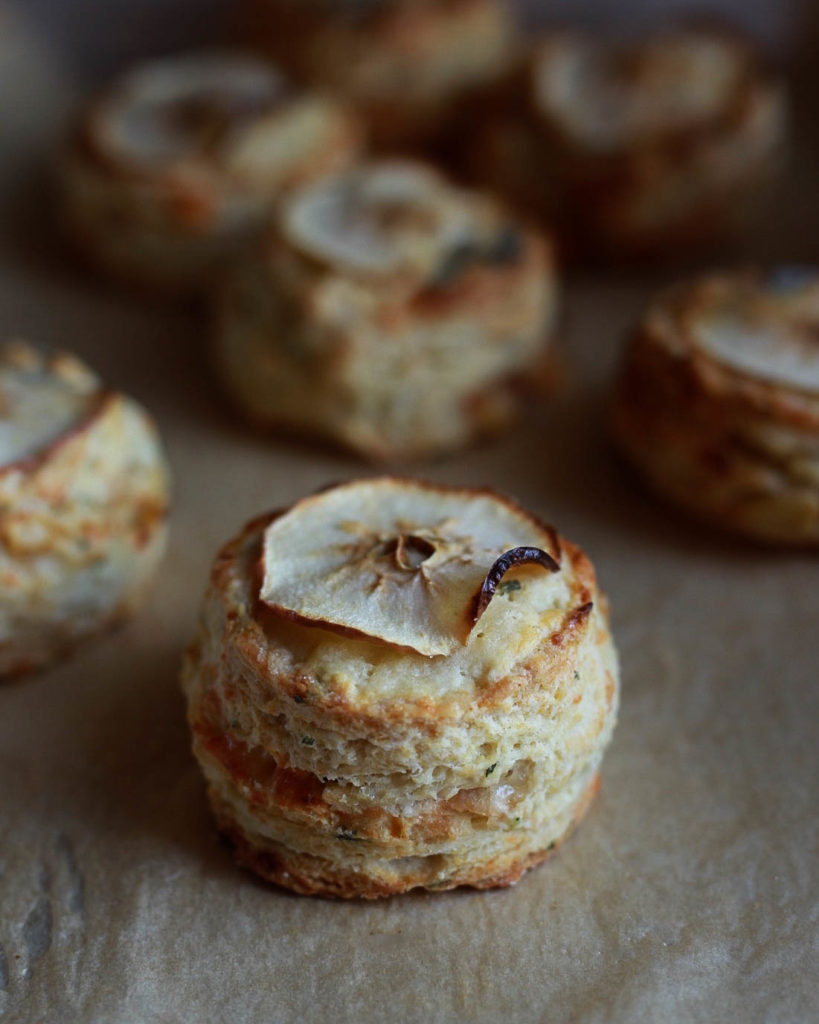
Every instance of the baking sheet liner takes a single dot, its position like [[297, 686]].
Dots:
[[689, 893]]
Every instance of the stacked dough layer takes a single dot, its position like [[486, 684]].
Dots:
[[343, 765], [391, 313], [83, 505], [718, 402], [178, 164]]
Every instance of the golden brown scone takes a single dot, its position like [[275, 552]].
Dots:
[[397, 685], [718, 401], [180, 161], [637, 148], [83, 505], [389, 312], [406, 65]]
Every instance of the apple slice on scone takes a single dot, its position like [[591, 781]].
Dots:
[[411, 564]]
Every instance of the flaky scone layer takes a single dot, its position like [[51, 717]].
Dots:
[[82, 515], [346, 767], [729, 444]]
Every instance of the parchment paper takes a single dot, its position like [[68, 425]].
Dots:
[[689, 893]]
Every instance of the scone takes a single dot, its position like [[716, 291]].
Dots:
[[181, 160], [641, 147], [718, 401], [406, 64], [83, 506], [397, 685], [389, 312]]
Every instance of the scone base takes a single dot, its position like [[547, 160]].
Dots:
[[309, 875]]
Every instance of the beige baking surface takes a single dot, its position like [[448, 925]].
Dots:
[[689, 894]]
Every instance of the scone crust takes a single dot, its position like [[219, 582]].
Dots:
[[732, 447], [83, 524], [349, 786]]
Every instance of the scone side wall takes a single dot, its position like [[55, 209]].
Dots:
[[734, 449], [364, 797], [83, 527]]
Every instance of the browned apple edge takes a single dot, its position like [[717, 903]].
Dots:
[[509, 560]]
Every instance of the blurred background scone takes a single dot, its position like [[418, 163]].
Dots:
[[718, 401], [637, 147], [399, 685], [405, 64], [83, 505], [180, 161], [389, 312]]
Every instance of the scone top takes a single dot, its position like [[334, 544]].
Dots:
[[207, 113], [606, 96], [762, 326], [42, 399], [409, 564], [394, 221]]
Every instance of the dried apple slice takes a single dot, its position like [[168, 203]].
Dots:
[[767, 329], [172, 111], [407, 563], [677, 80], [385, 218], [41, 400]]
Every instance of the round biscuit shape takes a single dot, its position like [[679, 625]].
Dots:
[[347, 766]]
